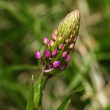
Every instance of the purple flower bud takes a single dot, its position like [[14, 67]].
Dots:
[[71, 46], [38, 55], [47, 53], [51, 43], [53, 36], [56, 64], [64, 54], [61, 46], [67, 58], [54, 53], [45, 40], [63, 67]]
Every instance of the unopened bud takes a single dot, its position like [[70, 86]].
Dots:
[[47, 53], [71, 46], [61, 46], [53, 36], [64, 54], [38, 55], [51, 43], [68, 40], [56, 64], [63, 67], [55, 31], [45, 40], [67, 58], [54, 53]]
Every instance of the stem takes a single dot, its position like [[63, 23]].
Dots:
[[43, 84]]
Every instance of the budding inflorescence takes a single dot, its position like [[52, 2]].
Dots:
[[60, 44]]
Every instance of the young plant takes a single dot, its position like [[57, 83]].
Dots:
[[58, 49]]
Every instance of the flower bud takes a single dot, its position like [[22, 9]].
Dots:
[[68, 40], [61, 46], [64, 54], [55, 31], [59, 38], [56, 64], [71, 46], [70, 24], [63, 67], [75, 39], [47, 53], [54, 53], [45, 40], [53, 36], [38, 55], [67, 58], [51, 43], [72, 35], [73, 49]]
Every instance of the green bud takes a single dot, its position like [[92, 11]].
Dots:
[[69, 24]]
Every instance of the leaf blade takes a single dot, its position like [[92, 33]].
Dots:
[[64, 105], [30, 104], [37, 90]]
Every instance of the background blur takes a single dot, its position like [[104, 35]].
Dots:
[[24, 23]]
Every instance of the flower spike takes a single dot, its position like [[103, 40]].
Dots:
[[60, 45]]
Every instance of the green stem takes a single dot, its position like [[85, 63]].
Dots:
[[43, 84]]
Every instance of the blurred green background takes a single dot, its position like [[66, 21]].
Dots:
[[24, 23]]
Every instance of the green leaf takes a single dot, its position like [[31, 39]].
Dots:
[[37, 91], [21, 67], [64, 105], [30, 104]]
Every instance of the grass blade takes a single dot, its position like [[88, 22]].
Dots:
[[30, 104], [64, 105]]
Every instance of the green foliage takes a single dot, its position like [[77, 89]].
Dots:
[[38, 91], [30, 104], [64, 105]]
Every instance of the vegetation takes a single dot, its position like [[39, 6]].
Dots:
[[24, 24]]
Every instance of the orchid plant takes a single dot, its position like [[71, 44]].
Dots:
[[58, 49]]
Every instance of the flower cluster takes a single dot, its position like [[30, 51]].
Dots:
[[60, 44]]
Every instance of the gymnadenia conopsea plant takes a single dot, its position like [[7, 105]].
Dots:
[[58, 49]]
